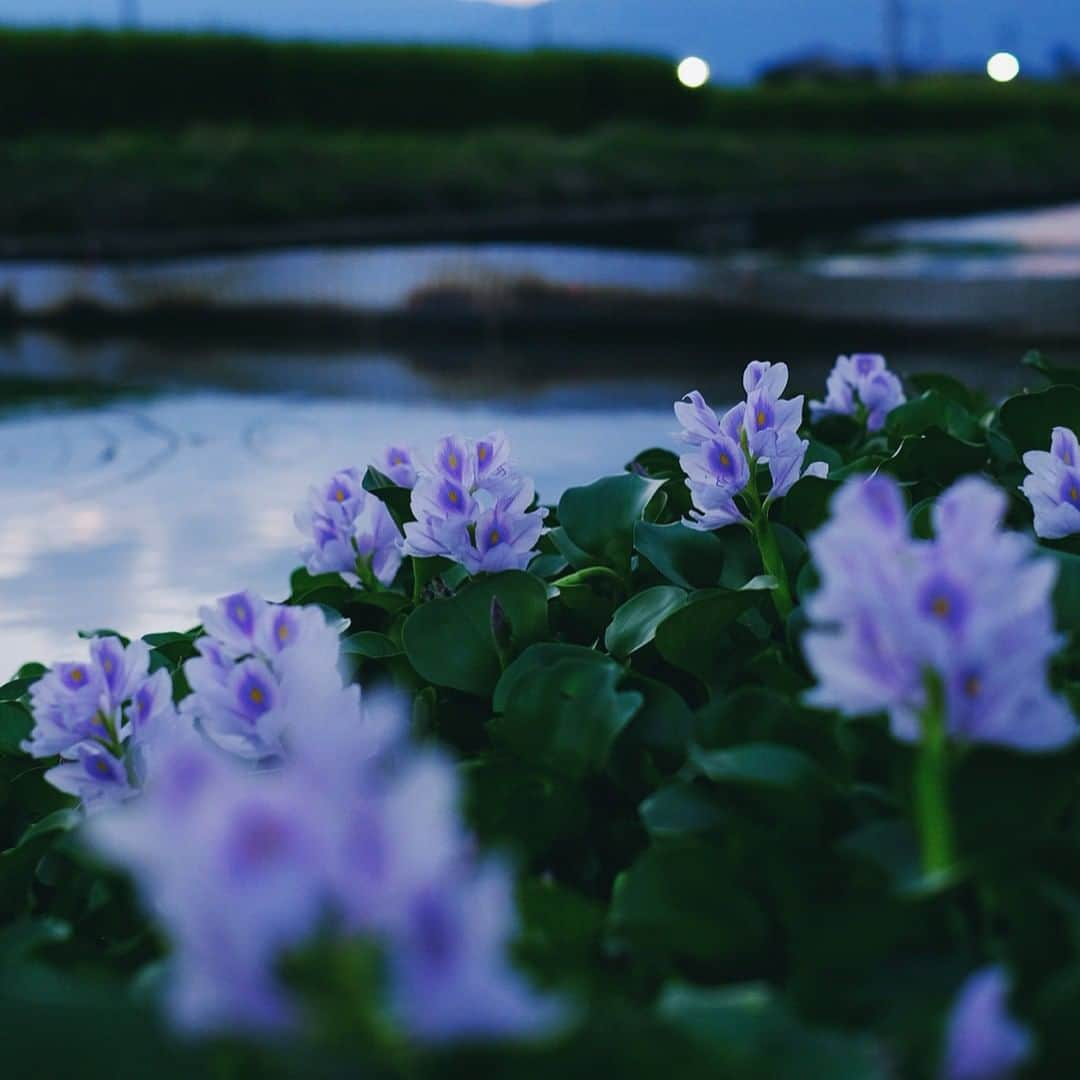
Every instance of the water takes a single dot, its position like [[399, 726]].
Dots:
[[140, 479]]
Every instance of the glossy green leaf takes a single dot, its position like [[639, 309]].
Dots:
[[634, 624], [450, 642], [600, 517]]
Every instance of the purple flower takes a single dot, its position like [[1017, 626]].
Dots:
[[349, 527], [473, 508], [1053, 486], [860, 381], [96, 777], [451, 978], [397, 463], [720, 466], [353, 832], [971, 607], [254, 689], [99, 716], [983, 1041]]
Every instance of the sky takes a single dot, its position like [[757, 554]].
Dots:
[[736, 36]]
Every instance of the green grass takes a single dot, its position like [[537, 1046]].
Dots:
[[211, 178]]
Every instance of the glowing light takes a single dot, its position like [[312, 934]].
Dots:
[[1003, 67], [693, 72]]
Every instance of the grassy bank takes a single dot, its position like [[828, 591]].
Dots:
[[87, 82], [212, 178]]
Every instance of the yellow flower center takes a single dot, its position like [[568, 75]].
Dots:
[[340, 494], [494, 537], [481, 453], [452, 461], [1073, 494], [452, 495], [725, 460], [108, 666], [282, 632], [256, 695], [77, 675], [101, 767], [761, 417], [973, 686], [940, 606]]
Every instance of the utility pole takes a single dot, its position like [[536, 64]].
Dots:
[[893, 41]]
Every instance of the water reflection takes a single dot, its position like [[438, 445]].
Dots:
[[162, 474]]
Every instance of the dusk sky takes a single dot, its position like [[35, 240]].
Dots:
[[735, 36]]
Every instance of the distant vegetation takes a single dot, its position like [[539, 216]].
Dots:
[[117, 133], [85, 82]]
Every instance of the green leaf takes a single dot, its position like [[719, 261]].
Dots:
[[634, 624], [805, 508], [683, 809], [936, 457], [565, 717], [759, 765], [600, 517], [450, 642], [678, 899], [694, 637], [396, 499], [1028, 419], [933, 409], [750, 1033], [686, 557], [16, 723], [539, 657], [371, 645], [1067, 590]]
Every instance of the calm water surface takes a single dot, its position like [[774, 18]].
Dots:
[[132, 507]]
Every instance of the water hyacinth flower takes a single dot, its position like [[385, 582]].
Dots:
[[971, 609], [472, 506], [397, 463], [350, 531], [265, 672], [725, 450], [356, 833], [97, 715], [1053, 486], [860, 384], [982, 1040]]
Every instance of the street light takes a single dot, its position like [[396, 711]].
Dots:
[[1003, 67], [693, 72]]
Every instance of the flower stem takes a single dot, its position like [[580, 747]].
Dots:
[[931, 784], [773, 563]]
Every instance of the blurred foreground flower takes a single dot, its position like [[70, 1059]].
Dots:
[[1053, 486], [353, 834], [970, 609], [983, 1041], [861, 386], [472, 506], [99, 717]]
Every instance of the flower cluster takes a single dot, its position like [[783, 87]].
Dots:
[[861, 386], [265, 673], [100, 716], [472, 506], [982, 1040], [350, 531], [1053, 486], [355, 833], [970, 610], [726, 450]]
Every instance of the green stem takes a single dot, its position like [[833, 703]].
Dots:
[[773, 564], [931, 784]]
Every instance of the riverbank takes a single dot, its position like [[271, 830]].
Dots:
[[214, 190]]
